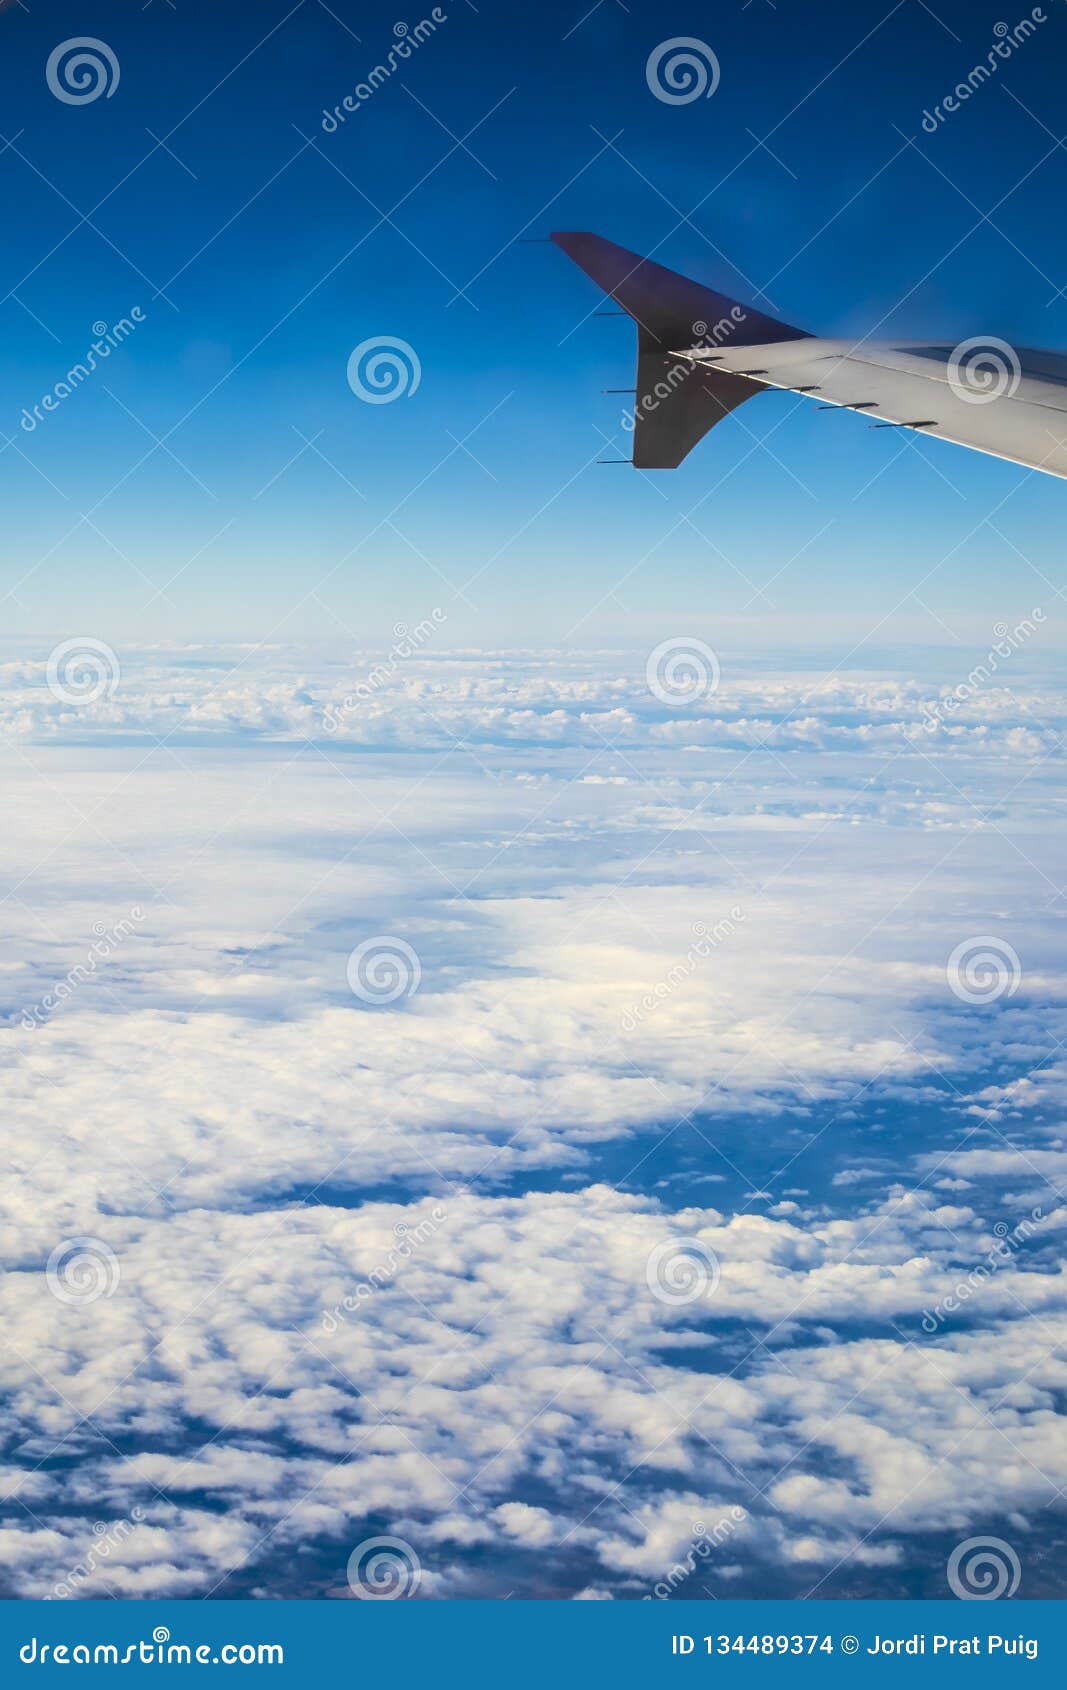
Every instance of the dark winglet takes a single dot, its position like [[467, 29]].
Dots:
[[676, 403], [663, 303]]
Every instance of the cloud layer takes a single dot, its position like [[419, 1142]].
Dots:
[[344, 1261]]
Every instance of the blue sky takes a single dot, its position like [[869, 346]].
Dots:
[[275, 264]]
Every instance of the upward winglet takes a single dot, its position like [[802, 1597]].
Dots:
[[659, 300], [676, 403]]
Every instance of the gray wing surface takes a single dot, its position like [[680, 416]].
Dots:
[[701, 354]]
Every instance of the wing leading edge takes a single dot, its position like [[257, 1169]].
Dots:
[[701, 354]]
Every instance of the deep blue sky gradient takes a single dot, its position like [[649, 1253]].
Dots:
[[276, 263]]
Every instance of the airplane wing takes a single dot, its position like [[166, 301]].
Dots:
[[701, 354]]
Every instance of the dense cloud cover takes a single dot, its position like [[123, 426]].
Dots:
[[373, 1030]]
